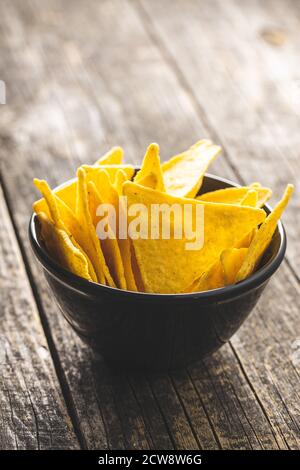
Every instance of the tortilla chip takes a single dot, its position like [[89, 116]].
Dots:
[[113, 157], [67, 192], [63, 218], [236, 195], [109, 195], [61, 248], [92, 171], [183, 174], [93, 247], [150, 181], [150, 172], [247, 239], [231, 261], [109, 245], [263, 237], [213, 279], [250, 198], [166, 265], [120, 179]]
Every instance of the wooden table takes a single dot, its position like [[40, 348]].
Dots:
[[80, 77]]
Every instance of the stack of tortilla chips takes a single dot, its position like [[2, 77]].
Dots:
[[237, 231]]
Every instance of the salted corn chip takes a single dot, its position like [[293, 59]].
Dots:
[[222, 273], [263, 236], [61, 248], [136, 271], [67, 192], [150, 172], [50, 201], [113, 157], [213, 279], [63, 218], [250, 198], [183, 174], [109, 245], [93, 249], [231, 261], [109, 195], [247, 239], [120, 179], [150, 181], [166, 265], [236, 195], [92, 171]]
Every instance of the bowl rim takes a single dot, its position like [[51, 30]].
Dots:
[[89, 287]]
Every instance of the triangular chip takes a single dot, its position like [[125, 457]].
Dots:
[[120, 179], [236, 195], [250, 198], [150, 173], [109, 245], [183, 174], [150, 181], [113, 157], [83, 216], [109, 195], [231, 261], [263, 236], [67, 192], [61, 248], [166, 265], [213, 279], [64, 218]]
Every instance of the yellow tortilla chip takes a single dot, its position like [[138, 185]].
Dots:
[[183, 174], [109, 245], [64, 218], [213, 279], [93, 247], [263, 236], [247, 239], [120, 179], [113, 157], [166, 265], [231, 261], [236, 195], [222, 273], [150, 172], [250, 198], [61, 248], [109, 195], [67, 192], [92, 171], [150, 181]]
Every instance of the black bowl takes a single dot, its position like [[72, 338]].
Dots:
[[134, 330]]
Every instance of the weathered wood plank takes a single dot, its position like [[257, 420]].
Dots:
[[92, 88], [33, 413], [247, 89]]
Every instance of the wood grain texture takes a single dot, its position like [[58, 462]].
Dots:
[[82, 76], [33, 413]]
